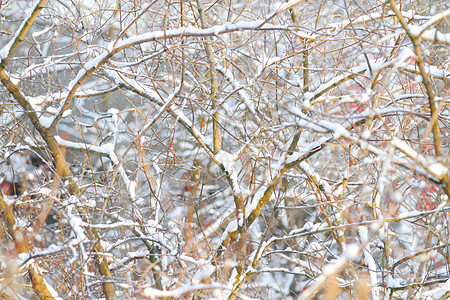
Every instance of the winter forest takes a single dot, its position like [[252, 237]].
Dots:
[[226, 149]]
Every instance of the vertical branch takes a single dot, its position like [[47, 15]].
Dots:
[[426, 80], [239, 202], [311, 175], [294, 19], [323, 187], [298, 132], [213, 78], [305, 69], [240, 210]]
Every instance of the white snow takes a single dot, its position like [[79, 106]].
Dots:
[[255, 200], [438, 292], [226, 159], [418, 30], [67, 113], [308, 96], [231, 227], [337, 129], [241, 89], [106, 149], [153, 293], [76, 223], [434, 35], [431, 70], [409, 214], [374, 16], [192, 31], [404, 147], [36, 101], [4, 52], [45, 191], [287, 5], [43, 31], [392, 283], [272, 61], [434, 168], [370, 262], [204, 272], [88, 67], [52, 110], [308, 226], [112, 225], [438, 170]]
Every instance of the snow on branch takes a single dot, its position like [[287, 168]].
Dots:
[[107, 150], [135, 87], [309, 229], [116, 46], [331, 270], [265, 191], [152, 293], [325, 87], [191, 31], [370, 262], [228, 160], [430, 70], [220, 158], [436, 169], [238, 87], [433, 35], [372, 17], [433, 168], [7, 51], [283, 6], [417, 31]]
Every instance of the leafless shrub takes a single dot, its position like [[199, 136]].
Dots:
[[219, 149]]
